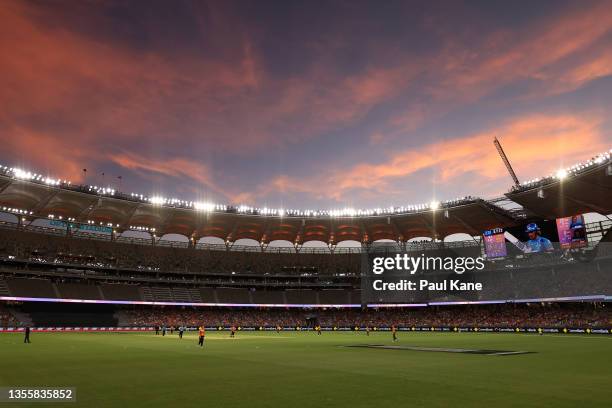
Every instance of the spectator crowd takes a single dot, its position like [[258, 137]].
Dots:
[[508, 315]]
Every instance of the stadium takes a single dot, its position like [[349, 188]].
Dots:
[[296, 245], [67, 268]]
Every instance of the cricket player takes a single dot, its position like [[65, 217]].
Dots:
[[537, 243], [202, 334]]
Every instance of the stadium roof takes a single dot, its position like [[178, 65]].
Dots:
[[31, 200], [580, 189], [589, 190]]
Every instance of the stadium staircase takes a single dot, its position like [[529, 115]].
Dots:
[[146, 294], [162, 294], [181, 295], [4, 290], [165, 294], [195, 296]]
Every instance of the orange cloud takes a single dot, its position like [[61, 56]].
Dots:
[[198, 175], [537, 145], [565, 52], [599, 66], [531, 53], [28, 146]]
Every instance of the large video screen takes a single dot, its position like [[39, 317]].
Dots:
[[533, 237], [572, 232], [495, 243]]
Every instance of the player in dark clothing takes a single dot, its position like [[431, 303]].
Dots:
[[26, 339], [181, 330]]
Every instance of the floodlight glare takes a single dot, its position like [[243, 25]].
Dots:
[[561, 174]]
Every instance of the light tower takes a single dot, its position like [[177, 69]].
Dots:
[[504, 158]]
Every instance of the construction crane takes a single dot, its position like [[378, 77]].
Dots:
[[504, 158]]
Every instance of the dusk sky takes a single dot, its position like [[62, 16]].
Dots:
[[304, 104]]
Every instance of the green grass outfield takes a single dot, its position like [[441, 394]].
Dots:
[[300, 369]]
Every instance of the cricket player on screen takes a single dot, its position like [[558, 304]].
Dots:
[[536, 242]]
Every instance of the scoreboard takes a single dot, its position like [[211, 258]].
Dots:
[[495, 243]]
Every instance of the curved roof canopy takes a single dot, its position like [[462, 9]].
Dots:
[[589, 190]]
